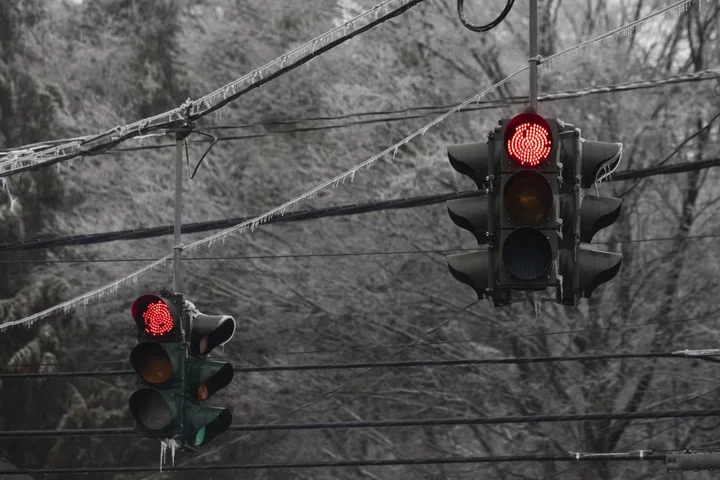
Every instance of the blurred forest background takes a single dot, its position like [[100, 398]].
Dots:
[[75, 68]]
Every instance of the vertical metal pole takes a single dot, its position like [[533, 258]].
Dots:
[[177, 247], [533, 55]]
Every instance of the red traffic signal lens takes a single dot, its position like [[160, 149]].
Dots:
[[528, 140], [527, 197], [157, 319]]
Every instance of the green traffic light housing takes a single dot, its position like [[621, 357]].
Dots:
[[206, 377], [202, 424]]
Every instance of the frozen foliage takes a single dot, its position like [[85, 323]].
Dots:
[[339, 179], [582, 49]]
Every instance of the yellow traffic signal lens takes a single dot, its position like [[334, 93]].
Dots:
[[152, 363], [202, 393], [527, 198]]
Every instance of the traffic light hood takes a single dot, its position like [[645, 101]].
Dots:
[[210, 331], [597, 156], [470, 159]]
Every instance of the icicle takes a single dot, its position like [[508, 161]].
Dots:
[[560, 284], [395, 150], [163, 447], [352, 176], [537, 305]]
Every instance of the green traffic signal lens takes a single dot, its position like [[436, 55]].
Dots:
[[200, 437], [527, 254], [152, 363], [527, 197]]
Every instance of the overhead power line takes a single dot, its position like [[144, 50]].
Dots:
[[32, 158], [644, 455], [337, 211], [403, 345], [706, 355], [391, 115], [397, 423], [700, 76]]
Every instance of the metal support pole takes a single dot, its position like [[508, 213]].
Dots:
[[533, 55], [177, 246]]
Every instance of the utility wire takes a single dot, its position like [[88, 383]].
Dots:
[[334, 254], [405, 345], [433, 110], [610, 427], [396, 423], [482, 28], [585, 457], [710, 74], [687, 354], [341, 210]]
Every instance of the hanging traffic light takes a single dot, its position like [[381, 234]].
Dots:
[[584, 212], [528, 170], [158, 361], [204, 377]]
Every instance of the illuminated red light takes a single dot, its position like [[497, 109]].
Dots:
[[157, 318], [528, 140]]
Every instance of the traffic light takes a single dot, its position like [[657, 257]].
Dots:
[[536, 174], [584, 212], [528, 213], [174, 376], [158, 361], [205, 377]]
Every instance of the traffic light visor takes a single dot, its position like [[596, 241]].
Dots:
[[527, 254], [152, 363], [527, 197], [528, 140], [210, 331], [153, 315], [150, 409]]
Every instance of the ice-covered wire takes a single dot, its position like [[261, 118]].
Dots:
[[482, 28], [336, 211], [334, 182], [704, 75]]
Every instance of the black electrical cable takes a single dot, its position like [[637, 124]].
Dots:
[[482, 28], [396, 364], [695, 77], [394, 423], [404, 345], [341, 210], [330, 254], [214, 142], [645, 456]]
